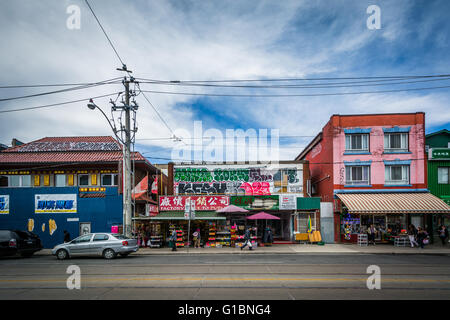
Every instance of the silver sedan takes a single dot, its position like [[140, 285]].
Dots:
[[108, 245]]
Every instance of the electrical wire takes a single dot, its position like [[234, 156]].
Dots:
[[57, 104], [55, 84]]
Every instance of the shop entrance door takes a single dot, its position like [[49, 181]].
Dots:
[[417, 221]]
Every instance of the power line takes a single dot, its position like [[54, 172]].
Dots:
[[299, 79], [59, 91], [104, 32], [296, 86], [57, 84], [291, 95], [59, 103]]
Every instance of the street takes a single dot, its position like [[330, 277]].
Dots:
[[228, 277]]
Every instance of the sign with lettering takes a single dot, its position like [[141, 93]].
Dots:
[[151, 210], [256, 202], [288, 202], [4, 204], [202, 203], [236, 180], [55, 203], [439, 154]]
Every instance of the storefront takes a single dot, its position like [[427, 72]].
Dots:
[[389, 213]]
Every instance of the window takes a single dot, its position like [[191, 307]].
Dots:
[[60, 180], [357, 175], [443, 173], [19, 181], [357, 142], [3, 181], [396, 142], [110, 179], [397, 175], [85, 238], [100, 237], [83, 179]]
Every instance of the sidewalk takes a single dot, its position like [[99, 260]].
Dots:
[[436, 249]]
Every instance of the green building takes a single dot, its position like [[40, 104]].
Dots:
[[437, 145]]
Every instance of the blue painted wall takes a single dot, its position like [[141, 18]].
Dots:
[[102, 213]]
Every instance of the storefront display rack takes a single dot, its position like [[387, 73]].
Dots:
[[156, 241]]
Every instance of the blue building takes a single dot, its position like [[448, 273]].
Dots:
[[67, 183]]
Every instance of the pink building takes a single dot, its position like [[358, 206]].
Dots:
[[371, 169]]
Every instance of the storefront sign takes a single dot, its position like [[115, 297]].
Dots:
[[202, 203], [288, 202], [151, 210], [4, 204], [55, 203], [439, 154], [237, 179], [256, 202]]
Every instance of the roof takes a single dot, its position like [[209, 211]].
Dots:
[[443, 131], [68, 150], [393, 203]]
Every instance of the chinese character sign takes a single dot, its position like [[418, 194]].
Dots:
[[201, 203]]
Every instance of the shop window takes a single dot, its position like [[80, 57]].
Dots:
[[60, 180], [110, 179], [357, 142], [357, 175], [396, 175], [443, 173], [83, 179], [395, 142]]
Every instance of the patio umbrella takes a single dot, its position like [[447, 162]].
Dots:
[[263, 216], [231, 208]]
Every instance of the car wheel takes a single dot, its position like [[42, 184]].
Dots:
[[109, 254], [61, 254]]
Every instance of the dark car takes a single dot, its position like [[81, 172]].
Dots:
[[17, 242]]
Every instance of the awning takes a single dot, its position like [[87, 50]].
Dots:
[[206, 215], [393, 203]]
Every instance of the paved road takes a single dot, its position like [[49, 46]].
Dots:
[[242, 277]]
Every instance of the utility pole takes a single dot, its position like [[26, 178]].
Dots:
[[127, 162]]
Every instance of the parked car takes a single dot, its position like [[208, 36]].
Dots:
[[18, 242], [108, 245]]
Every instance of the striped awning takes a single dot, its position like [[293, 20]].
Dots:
[[393, 203]]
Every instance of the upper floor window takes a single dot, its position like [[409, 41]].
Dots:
[[397, 174], [16, 181], [396, 139], [110, 179], [357, 142], [357, 175], [443, 173], [60, 180], [83, 179]]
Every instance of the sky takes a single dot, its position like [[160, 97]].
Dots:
[[218, 40]]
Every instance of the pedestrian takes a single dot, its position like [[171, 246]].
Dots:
[[443, 234], [371, 232], [247, 239], [422, 236], [197, 237], [66, 236], [172, 240], [412, 234]]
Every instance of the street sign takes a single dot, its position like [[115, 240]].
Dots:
[[439, 154]]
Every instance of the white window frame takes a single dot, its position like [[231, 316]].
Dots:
[[443, 169], [405, 175], [364, 141], [56, 180], [113, 175], [79, 177], [21, 178], [365, 171], [404, 142]]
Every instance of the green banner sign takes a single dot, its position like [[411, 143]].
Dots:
[[440, 153], [256, 202]]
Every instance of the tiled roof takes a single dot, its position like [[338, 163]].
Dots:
[[67, 150], [54, 144]]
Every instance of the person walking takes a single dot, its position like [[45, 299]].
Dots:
[[172, 240], [421, 236], [412, 234], [371, 232], [66, 236], [247, 238], [197, 238], [443, 234]]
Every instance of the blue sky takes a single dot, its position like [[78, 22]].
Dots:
[[210, 40]]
